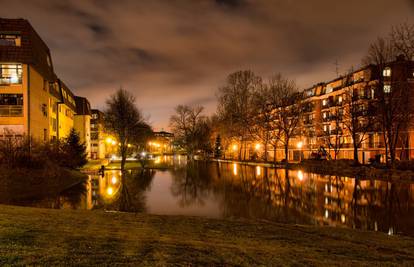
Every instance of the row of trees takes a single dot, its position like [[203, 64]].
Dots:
[[270, 111]]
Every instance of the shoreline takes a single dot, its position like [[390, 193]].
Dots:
[[34, 236]]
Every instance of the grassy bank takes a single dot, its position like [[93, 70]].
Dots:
[[56, 237]]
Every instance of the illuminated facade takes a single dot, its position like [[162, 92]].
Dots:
[[161, 143], [326, 107], [33, 101], [82, 121], [100, 145]]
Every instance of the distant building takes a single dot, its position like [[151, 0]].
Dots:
[[161, 142], [82, 122], [33, 101], [98, 136]]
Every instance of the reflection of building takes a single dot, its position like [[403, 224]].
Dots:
[[33, 101], [83, 121], [97, 135], [306, 198], [162, 142]]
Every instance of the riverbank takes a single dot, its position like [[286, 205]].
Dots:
[[31, 236]]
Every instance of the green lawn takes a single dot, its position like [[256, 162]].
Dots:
[[30, 236]]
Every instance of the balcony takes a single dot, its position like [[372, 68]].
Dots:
[[11, 111]]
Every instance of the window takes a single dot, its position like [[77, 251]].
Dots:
[[329, 89], [10, 73], [94, 116], [387, 88], [10, 39], [11, 105], [340, 100], [386, 72], [324, 102], [45, 135], [44, 110]]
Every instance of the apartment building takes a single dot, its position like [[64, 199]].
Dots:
[[98, 136], [82, 121], [33, 101], [326, 110], [329, 107]]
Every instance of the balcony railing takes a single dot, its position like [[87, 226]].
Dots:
[[5, 80], [11, 111]]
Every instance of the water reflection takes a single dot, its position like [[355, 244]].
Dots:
[[226, 190]]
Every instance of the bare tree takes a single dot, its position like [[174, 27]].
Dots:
[[235, 104], [262, 121], [393, 106], [191, 128], [334, 136], [402, 39], [358, 115], [287, 110], [124, 120]]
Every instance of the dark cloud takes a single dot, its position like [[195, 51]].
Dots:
[[173, 52]]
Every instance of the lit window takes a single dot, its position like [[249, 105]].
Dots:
[[340, 99], [329, 89], [10, 73], [387, 88], [10, 40], [386, 72], [324, 102]]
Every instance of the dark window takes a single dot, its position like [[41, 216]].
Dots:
[[10, 39], [11, 105]]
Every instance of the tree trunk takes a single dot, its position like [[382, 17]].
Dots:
[[287, 151], [356, 160], [265, 152]]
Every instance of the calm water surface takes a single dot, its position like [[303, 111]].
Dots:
[[227, 190]]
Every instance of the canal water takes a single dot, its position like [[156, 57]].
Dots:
[[230, 190]]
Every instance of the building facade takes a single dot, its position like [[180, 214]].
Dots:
[[328, 108], [98, 136], [33, 101], [82, 121]]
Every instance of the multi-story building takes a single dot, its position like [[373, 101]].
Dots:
[[82, 121], [328, 107], [98, 136], [33, 101]]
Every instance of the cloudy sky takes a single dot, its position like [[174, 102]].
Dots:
[[170, 52]]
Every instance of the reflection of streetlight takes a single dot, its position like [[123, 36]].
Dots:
[[300, 175], [257, 146], [234, 168], [258, 170], [114, 180], [109, 191]]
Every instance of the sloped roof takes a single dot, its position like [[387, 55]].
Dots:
[[32, 51], [83, 107]]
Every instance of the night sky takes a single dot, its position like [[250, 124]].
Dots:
[[170, 52]]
